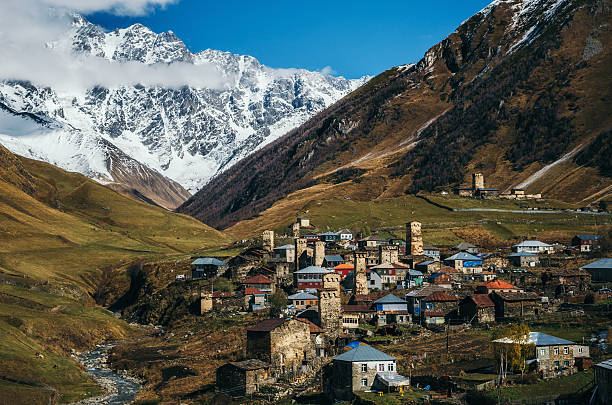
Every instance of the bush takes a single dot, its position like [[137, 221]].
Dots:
[[589, 298]]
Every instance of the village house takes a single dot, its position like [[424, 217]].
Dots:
[[344, 269], [254, 299], [329, 237], [374, 281], [242, 264], [572, 278], [466, 247], [345, 235], [587, 243], [603, 382], [550, 353], [600, 270], [441, 279], [354, 314], [310, 278], [439, 302], [371, 241], [485, 276], [283, 343], [512, 305], [304, 222], [240, 378], [416, 298], [390, 273], [465, 262], [431, 251], [533, 246], [456, 275], [414, 278], [285, 253], [477, 308], [261, 283], [350, 321], [316, 337], [206, 267], [303, 300], [428, 266], [524, 259], [496, 285], [332, 261], [392, 309], [362, 369]]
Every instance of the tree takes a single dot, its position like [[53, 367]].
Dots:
[[278, 302], [513, 353]]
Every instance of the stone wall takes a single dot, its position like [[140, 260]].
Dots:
[[414, 238], [268, 241], [388, 254], [330, 310], [361, 277], [319, 253]]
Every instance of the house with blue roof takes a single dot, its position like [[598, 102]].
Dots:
[[587, 243], [465, 262], [600, 270], [205, 267], [329, 237], [550, 355], [331, 261], [391, 309], [362, 368]]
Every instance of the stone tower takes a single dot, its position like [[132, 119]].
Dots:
[[330, 305], [361, 277], [331, 281], [388, 254], [414, 238], [296, 230], [268, 240], [300, 251], [477, 181], [319, 253], [206, 302]]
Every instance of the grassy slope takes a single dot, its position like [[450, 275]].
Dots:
[[58, 230]]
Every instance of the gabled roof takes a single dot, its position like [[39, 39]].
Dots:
[[363, 353], [334, 258], [373, 237], [538, 339], [517, 296], [208, 260], [440, 296], [429, 247], [258, 279], [498, 285], [481, 300], [390, 299], [385, 266], [427, 262], [302, 296], [448, 269], [357, 308], [462, 256], [532, 243], [464, 246], [313, 328], [344, 266], [312, 269], [285, 247], [436, 275], [523, 254], [607, 364], [599, 264], [267, 325], [250, 364], [328, 234], [253, 291], [414, 273], [587, 237], [424, 291]]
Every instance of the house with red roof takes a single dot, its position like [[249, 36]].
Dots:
[[438, 305], [496, 286], [477, 308], [259, 282], [344, 269]]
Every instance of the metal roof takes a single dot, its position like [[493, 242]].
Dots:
[[538, 339], [302, 296], [392, 379], [586, 237], [599, 264], [208, 260], [312, 269], [284, 247], [328, 234], [462, 256], [464, 245], [363, 353], [390, 299], [532, 243], [519, 254], [414, 273], [605, 364], [334, 258], [427, 262]]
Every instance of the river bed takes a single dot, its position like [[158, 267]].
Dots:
[[119, 387]]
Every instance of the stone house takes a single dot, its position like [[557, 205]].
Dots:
[[466, 247], [391, 309], [533, 246], [316, 336], [550, 353], [254, 300], [431, 251], [303, 300], [587, 243], [440, 301], [578, 278], [416, 298], [496, 285], [465, 262], [261, 283], [361, 369], [285, 253], [485, 276], [310, 278], [240, 378], [332, 261], [477, 308], [441, 279], [414, 278], [600, 270], [428, 266], [524, 259], [371, 241], [283, 343], [515, 304], [373, 281], [206, 267], [390, 273], [354, 314], [603, 382]]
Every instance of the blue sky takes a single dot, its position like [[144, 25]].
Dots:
[[354, 38]]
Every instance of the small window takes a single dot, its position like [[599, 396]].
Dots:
[[391, 367], [556, 351], [364, 368], [381, 367], [543, 352], [566, 363], [580, 350], [364, 382], [566, 350], [556, 364]]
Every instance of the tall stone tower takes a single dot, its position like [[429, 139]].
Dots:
[[300, 251], [296, 230], [268, 240], [414, 238], [330, 305], [388, 254], [477, 181], [331, 281], [319, 253], [361, 277]]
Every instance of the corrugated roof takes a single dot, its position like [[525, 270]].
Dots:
[[464, 246], [313, 328], [312, 269], [258, 279], [363, 353], [334, 258], [302, 296], [599, 264], [392, 379], [414, 273], [252, 291], [440, 296], [518, 296], [538, 339], [427, 262], [462, 256], [587, 237], [424, 291], [482, 300], [284, 247], [390, 299], [344, 266], [328, 234], [532, 243], [208, 260], [267, 325], [498, 285], [525, 254], [357, 308], [607, 364]]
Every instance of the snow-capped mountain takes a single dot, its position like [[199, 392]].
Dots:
[[188, 134]]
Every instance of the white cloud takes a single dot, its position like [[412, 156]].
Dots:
[[328, 71], [27, 26]]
